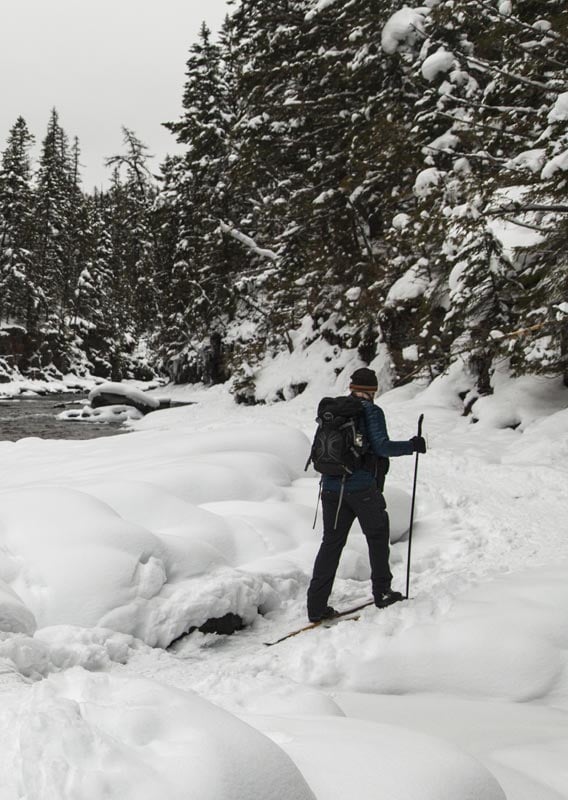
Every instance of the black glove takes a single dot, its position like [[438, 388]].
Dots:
[[418, 444]]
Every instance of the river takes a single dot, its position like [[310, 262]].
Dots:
[[37, 416]]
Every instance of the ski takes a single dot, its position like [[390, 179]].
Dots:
[[325, 622]]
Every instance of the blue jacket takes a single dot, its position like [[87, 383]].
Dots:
[[374, 428]]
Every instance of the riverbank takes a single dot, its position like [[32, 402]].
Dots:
[[25, 387], [33, 408], [34, 416]]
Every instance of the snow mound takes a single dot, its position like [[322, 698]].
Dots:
[[406, 765], [544, 443], [131, 393], [125, 543], [62, 647], [91, 736], [482, 647], [519, 402], [15, 617]]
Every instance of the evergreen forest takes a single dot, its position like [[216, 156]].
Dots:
[[352, 171]]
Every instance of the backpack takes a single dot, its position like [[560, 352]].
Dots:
[[338, 448]]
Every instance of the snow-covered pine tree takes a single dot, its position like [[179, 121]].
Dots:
[[94, 320], [269, 174], [18, 292], [53, 202], [199, 293], [483, 74], [132, 196]]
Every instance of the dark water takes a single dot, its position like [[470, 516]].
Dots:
[[37, 417]]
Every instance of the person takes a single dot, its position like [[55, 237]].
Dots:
[[361, 498]]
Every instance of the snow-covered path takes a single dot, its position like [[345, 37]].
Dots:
[[206, 510]]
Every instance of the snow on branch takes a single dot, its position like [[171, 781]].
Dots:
[[247, 241], [514, 208], [484, 65]]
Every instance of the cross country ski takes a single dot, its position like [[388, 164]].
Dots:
[[341, 615]]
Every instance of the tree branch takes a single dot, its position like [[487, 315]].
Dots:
[[248, 242], [527, 225], [515, 208]]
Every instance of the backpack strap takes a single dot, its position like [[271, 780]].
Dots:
[[317, 504], [341, 493]]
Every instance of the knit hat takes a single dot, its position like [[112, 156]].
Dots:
[[364, 380]]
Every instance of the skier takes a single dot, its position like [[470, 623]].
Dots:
[[359, 497]]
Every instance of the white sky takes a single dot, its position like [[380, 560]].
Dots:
[[102, 64]]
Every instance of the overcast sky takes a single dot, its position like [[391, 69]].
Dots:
[[102, 64]]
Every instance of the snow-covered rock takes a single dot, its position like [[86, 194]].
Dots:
[[114, 393], [110, 413]]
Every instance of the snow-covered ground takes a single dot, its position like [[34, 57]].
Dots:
[[111, 549]]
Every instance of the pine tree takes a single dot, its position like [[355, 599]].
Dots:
[[95, 310], [132, 197], [199, 298], [52, 246], [18, 292]]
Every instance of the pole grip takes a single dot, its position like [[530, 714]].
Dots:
[[420, 421]]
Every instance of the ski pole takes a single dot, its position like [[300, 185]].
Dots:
[[420, 421]]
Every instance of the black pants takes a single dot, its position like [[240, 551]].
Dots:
[[369, 507]]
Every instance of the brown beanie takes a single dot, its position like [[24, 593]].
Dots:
[[363, 380]]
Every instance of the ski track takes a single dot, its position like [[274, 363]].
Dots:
[[477, 520]]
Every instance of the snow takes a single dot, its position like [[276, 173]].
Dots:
[[409, 286], [410, 353], [320, 5], [426, 181], [558, 163], [127, 391], [447, 142], [439, 772], [401, 29], [353, 294], [401, 221], [532, 160], [114, 413], [87, 736], [112, 548], [437, 63], [15, 617], [559, 111]]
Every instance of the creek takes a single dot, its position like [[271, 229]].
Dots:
[[37, 416]]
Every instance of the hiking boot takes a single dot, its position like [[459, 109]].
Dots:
[[387, 598], [328, 613]]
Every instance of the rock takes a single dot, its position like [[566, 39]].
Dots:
[[115, 394]]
